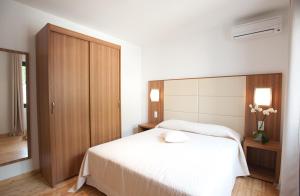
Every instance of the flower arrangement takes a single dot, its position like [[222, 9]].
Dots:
[[259, 134]]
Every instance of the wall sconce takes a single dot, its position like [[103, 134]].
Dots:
[[263, 96], [154, 95]]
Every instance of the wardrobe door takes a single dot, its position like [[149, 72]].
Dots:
[[69, 60], [104, 93]]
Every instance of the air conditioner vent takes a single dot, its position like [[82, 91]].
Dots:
[[257, 28]]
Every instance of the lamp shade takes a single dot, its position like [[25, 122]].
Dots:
[[263, 96], [154, 95]]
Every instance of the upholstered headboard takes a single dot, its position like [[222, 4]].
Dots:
[[209, 100], [220, 100]]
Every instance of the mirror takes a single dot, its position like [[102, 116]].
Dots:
[[14, 110]]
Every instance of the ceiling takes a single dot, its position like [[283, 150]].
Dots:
[[146, 21]]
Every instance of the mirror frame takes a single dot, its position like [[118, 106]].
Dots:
[[28, 103]]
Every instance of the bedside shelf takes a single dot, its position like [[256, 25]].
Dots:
[[262, 173]]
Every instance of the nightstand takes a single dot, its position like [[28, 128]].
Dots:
[[146, 126], [260, 172]]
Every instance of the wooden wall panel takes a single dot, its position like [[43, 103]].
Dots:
[[272, 123], [156, 106], [104, 93], [69, 62]]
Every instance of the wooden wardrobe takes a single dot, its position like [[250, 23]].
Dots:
[[78, 96]]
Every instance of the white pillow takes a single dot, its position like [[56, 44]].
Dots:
[[200, 128], [175, 137]]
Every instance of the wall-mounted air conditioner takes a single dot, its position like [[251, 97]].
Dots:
[[258, 28]]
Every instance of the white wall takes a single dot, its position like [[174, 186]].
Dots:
[[19, 25], [197, 52], [5, 92], [290, 147]]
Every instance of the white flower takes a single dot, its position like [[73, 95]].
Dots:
[[259, 109], [271, 110], [250, 106], [253, 110], [266, 112]]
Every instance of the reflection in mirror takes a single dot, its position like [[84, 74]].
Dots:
[[13, 106]]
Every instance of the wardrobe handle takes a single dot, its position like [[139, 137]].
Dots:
[[52, 107]]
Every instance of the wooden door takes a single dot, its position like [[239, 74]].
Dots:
[[69, 64], [104, 93]]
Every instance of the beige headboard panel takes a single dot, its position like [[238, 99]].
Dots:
[[208, 100]]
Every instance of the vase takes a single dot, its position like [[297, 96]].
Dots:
[[260, 136]]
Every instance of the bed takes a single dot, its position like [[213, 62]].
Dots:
[[144, 164]]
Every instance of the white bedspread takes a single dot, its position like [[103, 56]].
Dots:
[[143, 164]]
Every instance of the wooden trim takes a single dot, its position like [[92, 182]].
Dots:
[[51, 119], [90, 105], [28, 89], [15, 161], [14, 51], [224, 76], [120, 95], [64, 31]]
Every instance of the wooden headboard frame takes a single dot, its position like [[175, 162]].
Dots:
[[272, 124]]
